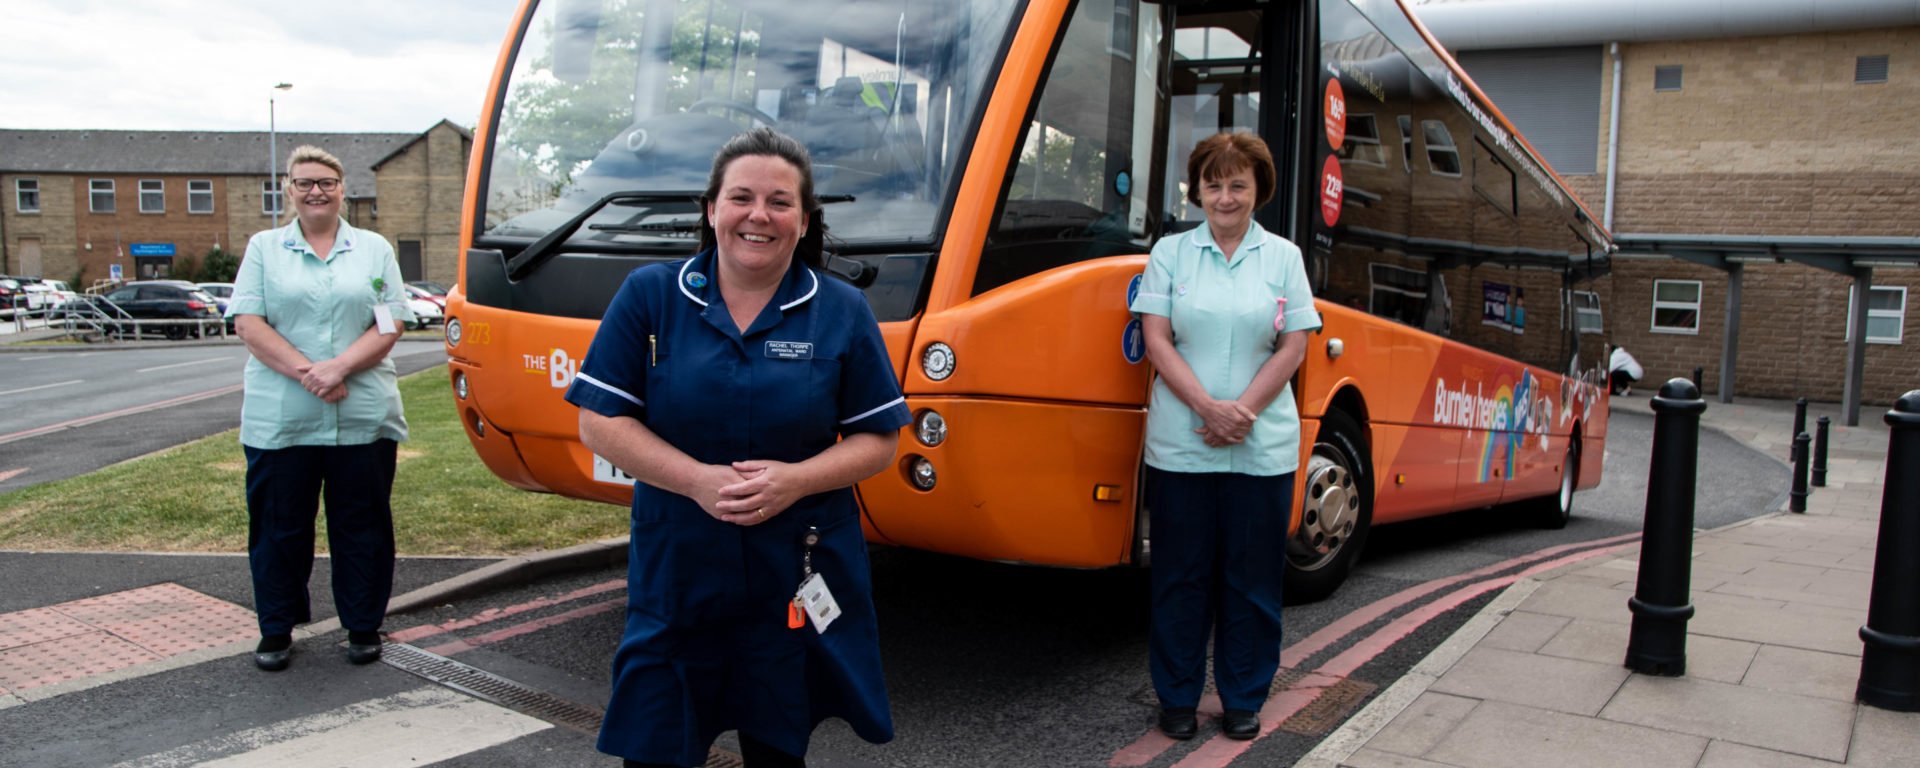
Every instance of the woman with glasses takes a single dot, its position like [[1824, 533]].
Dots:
[[319, 303]]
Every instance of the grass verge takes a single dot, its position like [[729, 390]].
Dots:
[[192, 498]]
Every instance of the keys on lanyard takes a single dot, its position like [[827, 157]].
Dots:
[[795, 610]]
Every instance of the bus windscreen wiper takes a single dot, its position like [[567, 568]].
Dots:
[[537, 253]]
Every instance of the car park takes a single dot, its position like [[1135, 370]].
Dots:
[[430, 287], [425, 311], [222, 293], [156, 300]]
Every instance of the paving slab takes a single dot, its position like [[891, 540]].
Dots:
[[1709, 658], [1369, 757], [1806, 673], [1423, 723], [1726, 754], [1784, 722], [1524, 632], [1579, 687], [1500, 735], [1883, 739]]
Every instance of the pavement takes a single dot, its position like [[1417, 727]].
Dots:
[[1773, 649], [1534, 679]]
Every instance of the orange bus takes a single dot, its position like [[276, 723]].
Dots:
[[994, 173]]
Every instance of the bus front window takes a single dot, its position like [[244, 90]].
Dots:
[[612, 96]]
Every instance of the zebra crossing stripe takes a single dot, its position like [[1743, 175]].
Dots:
[[418, 727]]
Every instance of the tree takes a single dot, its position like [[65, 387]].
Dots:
[[219, 266]]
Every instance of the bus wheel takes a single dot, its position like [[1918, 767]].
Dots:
[[1335, 513], [1554, 512]]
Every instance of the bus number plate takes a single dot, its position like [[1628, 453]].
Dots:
[[605, 472]]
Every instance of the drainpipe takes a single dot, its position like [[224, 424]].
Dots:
[[1613, 136]]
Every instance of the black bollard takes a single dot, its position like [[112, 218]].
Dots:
[[1697, 373], [1799, 416], [1890, 661], [1797, 495], [1658, 643], [1820, 452]]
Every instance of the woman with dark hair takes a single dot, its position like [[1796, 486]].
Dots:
[[746, 393], [1225, 309]]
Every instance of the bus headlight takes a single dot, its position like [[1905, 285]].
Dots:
[[460, 384], [920, 473], [453, 332], [937, 361], [930, 427]]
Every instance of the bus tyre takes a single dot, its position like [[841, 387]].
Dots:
[[1336, 511], [1555, 511]]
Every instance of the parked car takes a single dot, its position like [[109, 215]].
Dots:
[[221, 293], [11, 292], [430, 287], [417, 292], [62, 293], [162, 300], [425, 311]]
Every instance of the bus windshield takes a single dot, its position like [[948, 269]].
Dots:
[[635, 96]]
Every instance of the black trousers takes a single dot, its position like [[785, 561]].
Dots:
[[284, 489], [753, 753]]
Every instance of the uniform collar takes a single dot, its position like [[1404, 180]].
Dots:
[[1255, 237], [291, 238], [697, 283]]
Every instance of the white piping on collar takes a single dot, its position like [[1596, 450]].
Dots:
[[682, 280], [810, 291]]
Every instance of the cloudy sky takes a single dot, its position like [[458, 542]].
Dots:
[[355, 65]]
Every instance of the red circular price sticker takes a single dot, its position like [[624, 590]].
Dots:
[[1335, 109], [1332, 191]]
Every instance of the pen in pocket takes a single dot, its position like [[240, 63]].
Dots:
[[653, 351]]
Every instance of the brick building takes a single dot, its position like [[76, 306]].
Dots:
[[1755, 168], [77, 203]]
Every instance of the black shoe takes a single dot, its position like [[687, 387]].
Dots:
[[1241, 724], [273, 653], [1178, 723], [363, 647]]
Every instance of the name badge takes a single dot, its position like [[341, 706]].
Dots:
[[820, 605], [790, 350]]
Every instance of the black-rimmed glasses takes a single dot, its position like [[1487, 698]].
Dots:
[[307, 185]]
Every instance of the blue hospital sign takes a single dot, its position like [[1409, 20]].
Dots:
[[150, 249]]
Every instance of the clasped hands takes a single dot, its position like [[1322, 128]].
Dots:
[[1224, 422], [746, 492], [326, 379]]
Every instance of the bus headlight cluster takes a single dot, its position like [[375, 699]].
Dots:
[[453, 331], [920, 472], [930, 427], [937, 361], [460, 384]]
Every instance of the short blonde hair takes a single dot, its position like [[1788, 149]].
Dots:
[[307, 153]]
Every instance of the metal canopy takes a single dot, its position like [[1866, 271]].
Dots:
[[1855, 257]]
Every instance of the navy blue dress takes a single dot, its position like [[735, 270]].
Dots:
[[707, 648]]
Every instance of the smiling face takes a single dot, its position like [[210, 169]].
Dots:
[[757, 216], [316, 203], [1229, 201]]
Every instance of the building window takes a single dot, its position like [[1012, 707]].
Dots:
[[1886, 314], [26, 195], [1398, 293], [1586, 312], [270, 201], [153, 196], [1363, 141], [100, 195], [1676, 306], [1666, 78], [1870, 69], [200, 196], [1406, 140], [1443, 156]]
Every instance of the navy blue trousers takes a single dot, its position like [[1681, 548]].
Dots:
[[284, 489], [1219, 554]]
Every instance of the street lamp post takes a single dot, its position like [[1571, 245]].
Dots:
[[273, 155]]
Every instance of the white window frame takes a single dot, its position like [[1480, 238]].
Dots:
[[272, 202], [1450, 148], [1898, 316], [200, 196], [1362, 147], [1586, 304], [153, 187], [26, 195], [1699, 292], [1377, 281], [96, 188]]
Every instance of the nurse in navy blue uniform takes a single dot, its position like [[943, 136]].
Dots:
[[747, 393]]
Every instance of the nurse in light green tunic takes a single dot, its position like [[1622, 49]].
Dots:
[[1225, 308]]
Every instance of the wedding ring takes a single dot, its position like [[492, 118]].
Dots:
[[761, 512]]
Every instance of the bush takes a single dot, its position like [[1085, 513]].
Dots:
[[219, 266]]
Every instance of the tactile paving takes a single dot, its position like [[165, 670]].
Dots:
[[95, 635]]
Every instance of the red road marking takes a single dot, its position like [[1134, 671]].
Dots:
[[1220, 750], [411, 634], [1288, 702], [505, 633], [13, 473], [98, 417]]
